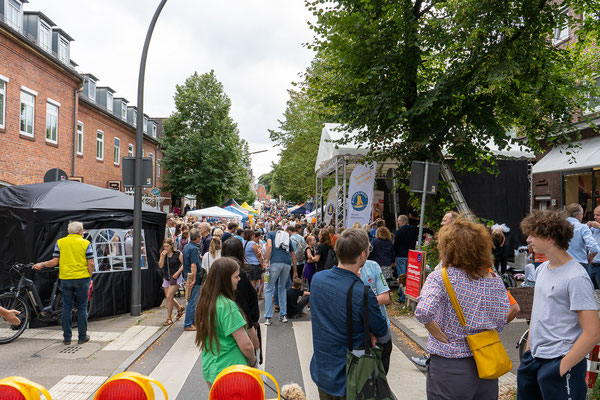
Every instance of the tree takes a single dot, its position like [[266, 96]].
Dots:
[[416, 78], [203, 150], [265, 179]]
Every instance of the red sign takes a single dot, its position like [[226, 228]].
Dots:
[[414, 273]]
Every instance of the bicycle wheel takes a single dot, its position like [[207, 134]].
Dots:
[[8, 331]]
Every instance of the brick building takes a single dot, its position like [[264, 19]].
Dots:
[[261, 194], [53, 116]]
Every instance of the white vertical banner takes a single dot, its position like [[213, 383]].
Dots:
[[330, 206], [360, 194]]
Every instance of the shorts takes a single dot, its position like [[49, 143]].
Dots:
[[254, 272], [167, 282]]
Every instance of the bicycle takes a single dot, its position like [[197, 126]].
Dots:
[[26, 299]]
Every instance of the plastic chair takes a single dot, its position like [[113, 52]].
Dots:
[[129, 386], [240, 382], [18, 388]]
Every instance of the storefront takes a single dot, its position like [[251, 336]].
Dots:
[[568, 175]]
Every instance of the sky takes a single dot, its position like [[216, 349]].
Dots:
[[255, 48]]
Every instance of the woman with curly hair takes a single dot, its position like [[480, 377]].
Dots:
[[220, 324], [466, 250]]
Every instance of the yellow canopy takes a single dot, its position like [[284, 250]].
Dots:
[[247, 207]]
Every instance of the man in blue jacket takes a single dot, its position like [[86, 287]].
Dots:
[[328, 314]]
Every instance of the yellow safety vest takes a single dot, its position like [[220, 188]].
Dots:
[[72, 262]]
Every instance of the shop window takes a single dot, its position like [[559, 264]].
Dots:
[[578, 189], [113, 249]]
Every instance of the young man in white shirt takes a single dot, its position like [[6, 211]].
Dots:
[[564, 321]]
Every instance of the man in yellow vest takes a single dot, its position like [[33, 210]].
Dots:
[[74, 257]]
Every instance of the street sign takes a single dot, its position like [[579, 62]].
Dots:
[[417, 174], [128, 169], [155, 192], [415, 274]]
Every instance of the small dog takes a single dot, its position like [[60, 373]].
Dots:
[[293, 391]]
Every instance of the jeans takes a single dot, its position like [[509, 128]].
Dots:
[[539, 378], [74, 291], [190, 308], [278, 270], [288, 285], [401, 263], [595, 271], [299, 306]]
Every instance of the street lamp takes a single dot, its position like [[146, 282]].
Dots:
[[136, 271]]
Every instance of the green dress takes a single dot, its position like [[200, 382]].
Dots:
[[229, 320]]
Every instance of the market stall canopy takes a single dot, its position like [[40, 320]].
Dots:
[[299, 211], [238, 212], [329, 150], [234, 204], [582, 154], [247, 207], [215, 212]]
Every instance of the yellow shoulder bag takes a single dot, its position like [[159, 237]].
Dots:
[[488, 351]]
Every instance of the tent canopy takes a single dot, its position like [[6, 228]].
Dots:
[[215, 212], [247, 207], [234, 210], [300, 210], [583, 154], [234, 204], [329, 150]]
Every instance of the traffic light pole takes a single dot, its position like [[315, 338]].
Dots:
[[136, 271]]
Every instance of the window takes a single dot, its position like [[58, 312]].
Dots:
[[594, 103], [51, 122], [145, 125], [44, 36], [113, 249], [2, 104], [124, 111], [157, 167], [561, 32], [130, 150], [80, 138], [109, 101], [63, 54], [100, 145], [154, 129], [117, 156], [92, 89], [134, 118], [13, 14], [27, 113]]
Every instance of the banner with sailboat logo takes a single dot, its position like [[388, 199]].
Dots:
[[330, 206], [360, 194]]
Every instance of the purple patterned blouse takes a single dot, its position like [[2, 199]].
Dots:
[[484, 303]]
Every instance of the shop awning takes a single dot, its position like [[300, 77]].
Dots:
[[583, 154]]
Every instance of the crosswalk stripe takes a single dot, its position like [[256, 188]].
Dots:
[[263, 334], [173, 370], [303, 333]]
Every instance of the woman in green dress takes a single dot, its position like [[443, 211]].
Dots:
[[220, 324]]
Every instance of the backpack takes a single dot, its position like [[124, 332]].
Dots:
[[300, 253], [331, 260]]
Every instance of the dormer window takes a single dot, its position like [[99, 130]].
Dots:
[[154, 129], [124, 111], [92, 89], [135, 118], [145, 125], [13, 14], [109, 101], [44, 36], [63, 50]]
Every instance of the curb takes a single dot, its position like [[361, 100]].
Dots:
[[133, 357], [417, 339]]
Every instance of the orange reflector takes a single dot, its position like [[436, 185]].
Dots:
[[240, 382], [18, 388], [129, 386]]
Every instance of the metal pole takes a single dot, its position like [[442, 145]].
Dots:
[[395, 202], [322, 211], [345, 199], [337, 196], [423, 206], [136, 272]]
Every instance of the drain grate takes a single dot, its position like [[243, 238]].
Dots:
[[70, 350]]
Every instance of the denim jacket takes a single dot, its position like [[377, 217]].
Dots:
[[328, 315]]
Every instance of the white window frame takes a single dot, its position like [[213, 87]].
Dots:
[[154, 130], [157, 167], [45, 32], [92, 93], [135, 118], [3, 84], [145, 125], [117, 151], [19, 22], [100, 145], [124, 111], [561, 33], [130, 150], [109, 101], [52, 110], [79, 138], [28, 92]]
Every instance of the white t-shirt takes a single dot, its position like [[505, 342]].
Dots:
[[559, 294]]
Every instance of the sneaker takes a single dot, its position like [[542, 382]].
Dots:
[[308, 308], [268, 321], [420, 362], [189, 328], [67, 342], [84, 340], [283, 319], [277, 309]]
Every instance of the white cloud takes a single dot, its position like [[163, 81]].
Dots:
[[255, 48]]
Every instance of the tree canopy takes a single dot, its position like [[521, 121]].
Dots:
[[204, 154], [420, 77]]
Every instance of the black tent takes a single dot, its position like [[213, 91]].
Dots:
[[34, 217], [231, 202], [300, 210]]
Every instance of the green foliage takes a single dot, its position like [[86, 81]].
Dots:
[[203, 151], [266, 179], [421, 77]]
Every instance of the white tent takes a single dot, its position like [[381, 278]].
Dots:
[[216, 212], [584, 154]]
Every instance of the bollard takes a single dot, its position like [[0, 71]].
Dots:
[[240, 382], [18, 388], [130, 386]]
